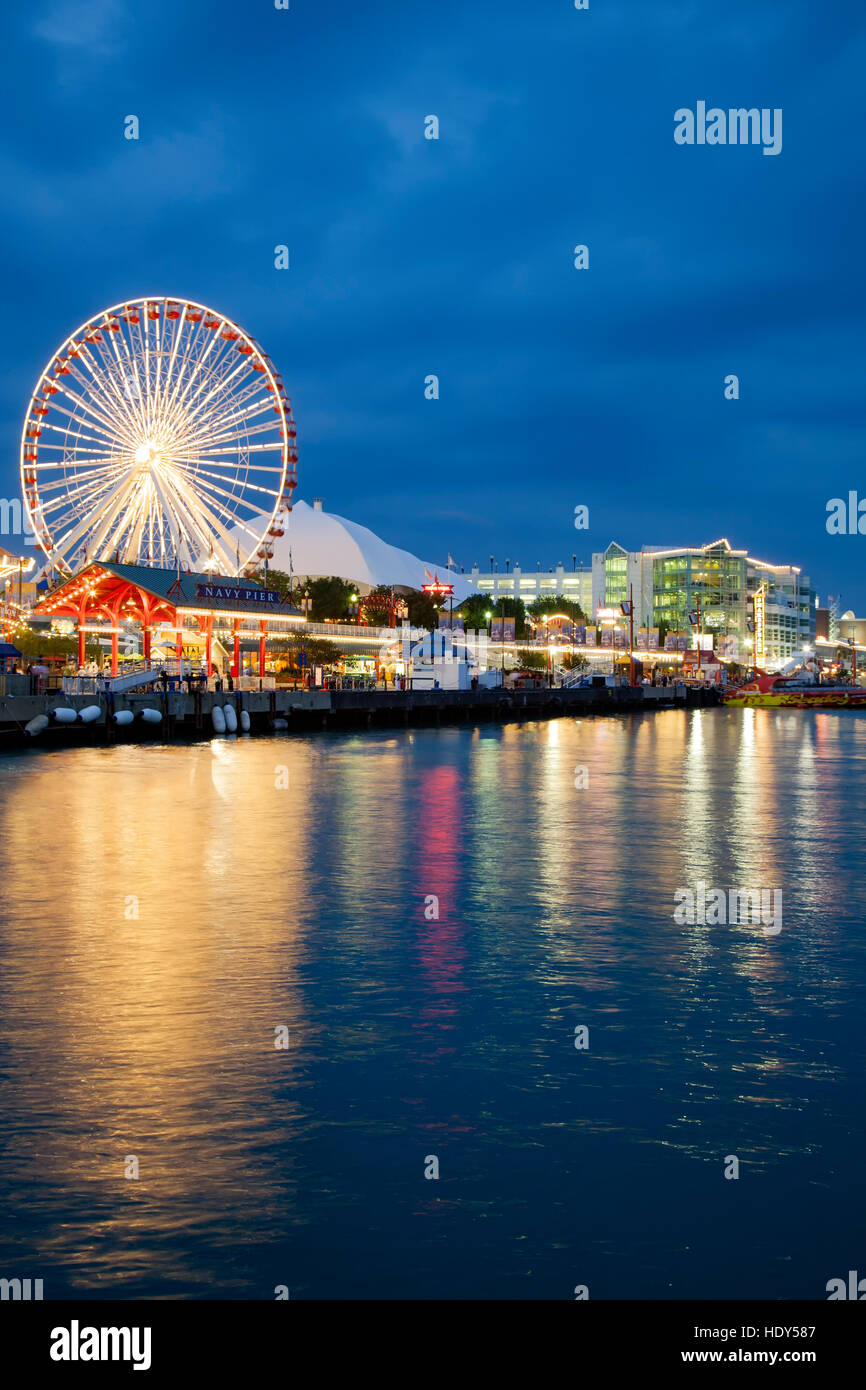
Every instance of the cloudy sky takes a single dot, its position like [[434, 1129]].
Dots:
[[605, 387]]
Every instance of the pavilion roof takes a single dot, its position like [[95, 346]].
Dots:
[[182, 591]]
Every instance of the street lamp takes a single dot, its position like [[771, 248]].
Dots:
[[306, 606]]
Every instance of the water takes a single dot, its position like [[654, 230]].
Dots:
[[262, 906]]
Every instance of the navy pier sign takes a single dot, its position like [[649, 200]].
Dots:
[[235, 593]]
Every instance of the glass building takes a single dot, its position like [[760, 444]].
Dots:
[[721, 586]]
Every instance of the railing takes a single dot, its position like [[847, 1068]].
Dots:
[[251, 683], [133, 674], [374, 634]]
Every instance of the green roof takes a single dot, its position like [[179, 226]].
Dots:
[[164, 584]]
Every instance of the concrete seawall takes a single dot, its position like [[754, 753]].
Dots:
[[187, 716]]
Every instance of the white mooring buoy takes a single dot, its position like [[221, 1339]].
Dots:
[[245, 720], [36, 726], [231, 719], [63, 715], [151, 716], [123, 717], [218, 720], [89, 713]]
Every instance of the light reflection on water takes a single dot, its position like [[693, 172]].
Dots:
[[165, 909]]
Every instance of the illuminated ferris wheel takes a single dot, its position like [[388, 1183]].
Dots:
[[158, 434]]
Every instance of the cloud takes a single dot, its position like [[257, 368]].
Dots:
[[96, 25], [155, 173]]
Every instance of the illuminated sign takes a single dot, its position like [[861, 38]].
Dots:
[[437, 588], [234, 593], [760, 623]]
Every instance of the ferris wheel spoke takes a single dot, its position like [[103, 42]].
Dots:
[[207, 441], [127, 365], [118, 403], [76, 535], [196, 366], [177, 336], [74, 420], [108, 403], [63, 433], [209, 498], [86, 408], [275, 447], [238, 413], [173, 520], [102, 369], [213, 487], [92, 487], [240, 371], [198, 519]]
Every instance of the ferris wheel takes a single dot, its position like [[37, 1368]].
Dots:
[[158, 434]]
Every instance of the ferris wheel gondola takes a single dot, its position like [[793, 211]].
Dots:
[[158, 434]]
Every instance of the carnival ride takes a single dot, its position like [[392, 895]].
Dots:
[[159, 434]]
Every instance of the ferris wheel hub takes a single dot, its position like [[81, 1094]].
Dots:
[[147, 454]]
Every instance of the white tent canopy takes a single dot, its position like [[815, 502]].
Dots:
[[322, 543]]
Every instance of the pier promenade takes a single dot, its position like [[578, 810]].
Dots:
[[190, 715]]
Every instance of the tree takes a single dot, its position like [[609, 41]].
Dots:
[[423, 609], [317, 651], [532, 661], [556, 603], [575, 661], [330, 595], [475, 608], [32, 644], [330, 598], [277, 579]]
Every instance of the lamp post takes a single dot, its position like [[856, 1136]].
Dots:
[[502, 661], [627, 610], [306, 605]]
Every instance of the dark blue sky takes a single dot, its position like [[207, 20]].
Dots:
[[410, 256]]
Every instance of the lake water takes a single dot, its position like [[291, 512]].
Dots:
[[166, 909]]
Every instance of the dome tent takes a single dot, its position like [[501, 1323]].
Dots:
[[322, 544]]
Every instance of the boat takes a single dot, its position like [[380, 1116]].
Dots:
[[800, 685]]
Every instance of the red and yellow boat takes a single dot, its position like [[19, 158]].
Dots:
[[796, 691]]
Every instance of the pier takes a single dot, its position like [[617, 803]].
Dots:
[[189, 716]]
